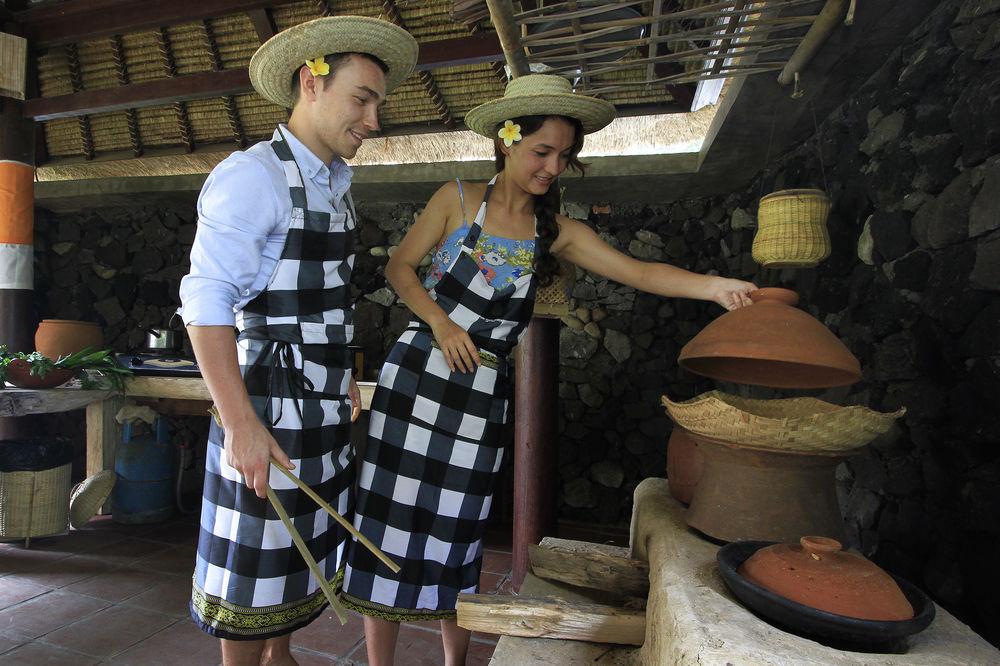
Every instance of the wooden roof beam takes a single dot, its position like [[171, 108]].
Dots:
[[483, 47], [82, 20]]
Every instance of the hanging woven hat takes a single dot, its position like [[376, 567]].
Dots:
[[540, 95], [277, 59]]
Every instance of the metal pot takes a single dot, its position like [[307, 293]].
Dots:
[[163, 339]]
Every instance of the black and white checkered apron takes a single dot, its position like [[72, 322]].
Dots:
[[250, 582], [434, 450]]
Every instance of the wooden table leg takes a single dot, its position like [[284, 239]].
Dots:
[[103, 435], [536, 435]]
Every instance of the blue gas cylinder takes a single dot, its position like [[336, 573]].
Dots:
[[146, 467]]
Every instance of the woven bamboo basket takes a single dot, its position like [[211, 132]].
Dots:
[[791, 229], [805, 425], [553, 301], [34, 503]]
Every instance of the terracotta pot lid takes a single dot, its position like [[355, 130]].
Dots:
[[771, 343], [818, 573]]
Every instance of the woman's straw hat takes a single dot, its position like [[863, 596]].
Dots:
[[273, 64], [540, 95]]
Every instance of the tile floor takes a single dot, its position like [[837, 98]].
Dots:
[[118, 594]]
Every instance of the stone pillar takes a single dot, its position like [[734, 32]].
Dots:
[[536, 437], [17, 176]]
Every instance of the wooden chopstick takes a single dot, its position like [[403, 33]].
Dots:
[[307, 556], [339, 518]]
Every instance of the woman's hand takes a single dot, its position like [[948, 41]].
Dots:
[[249, 449], [354, 393], [456, 345], [729, 293]]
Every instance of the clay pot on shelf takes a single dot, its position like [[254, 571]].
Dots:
[[62, 337], [19, 374], [818, 573], [771, 343], [684, 465]]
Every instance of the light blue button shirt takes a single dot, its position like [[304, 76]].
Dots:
[[244, 210]]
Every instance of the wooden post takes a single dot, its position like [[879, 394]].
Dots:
[[536, 430], [17, 194]]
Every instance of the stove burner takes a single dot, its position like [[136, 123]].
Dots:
[[145, 363]]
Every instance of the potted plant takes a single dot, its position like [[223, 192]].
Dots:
[[37, 371]]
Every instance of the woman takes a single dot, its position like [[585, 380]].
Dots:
[[434, 445]]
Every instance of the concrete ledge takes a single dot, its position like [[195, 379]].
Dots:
[[691, 617]]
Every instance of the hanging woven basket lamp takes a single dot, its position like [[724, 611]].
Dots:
[[791, 229]]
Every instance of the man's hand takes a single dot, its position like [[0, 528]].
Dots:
[[354, 393], [249, 449]]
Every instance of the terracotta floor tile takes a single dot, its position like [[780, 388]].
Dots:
[[128, 550], [166, 594], [310, 658], [174, 533], [77, 541], [16, 559], [38, 654], [480, 652], [109, 632], [489, 582], [48, 612], [178, 560], [67, 571], [14, 591], [326, 635], [10, 640], [181, 642], [414, 647], [496, 562], [117, 584]]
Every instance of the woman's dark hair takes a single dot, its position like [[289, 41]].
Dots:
[[335, 61], [546, 266]]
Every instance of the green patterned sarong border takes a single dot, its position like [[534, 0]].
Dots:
[[392, 614], [242, 621]]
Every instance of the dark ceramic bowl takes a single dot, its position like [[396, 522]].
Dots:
[[19, 374], [828, 628]]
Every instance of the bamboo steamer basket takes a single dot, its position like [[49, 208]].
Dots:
[[791, 229]]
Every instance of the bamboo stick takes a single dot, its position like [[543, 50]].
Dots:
[[336, 516], [307, 556]]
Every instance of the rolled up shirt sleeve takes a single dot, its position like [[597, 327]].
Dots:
[[237, 211]]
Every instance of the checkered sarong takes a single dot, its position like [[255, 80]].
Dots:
[[435, 448], [250, 582]]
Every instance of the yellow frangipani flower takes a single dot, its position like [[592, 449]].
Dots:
[[509, 133], [318, 67]]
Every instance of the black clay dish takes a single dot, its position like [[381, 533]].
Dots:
[[828, 628]]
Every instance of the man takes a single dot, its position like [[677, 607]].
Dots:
[[273, 258]]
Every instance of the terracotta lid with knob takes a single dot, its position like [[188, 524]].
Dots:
[[818, 573], [771, 343]]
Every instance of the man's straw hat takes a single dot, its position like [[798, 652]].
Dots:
[[540, 95], [273, 64]]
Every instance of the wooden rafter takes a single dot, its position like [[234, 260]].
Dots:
[[263, 23], [131, 117], [479, 48], [235, 124], [59, 23], [170, 69], [426, 78], [76, 80]]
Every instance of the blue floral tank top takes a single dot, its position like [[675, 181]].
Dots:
[[501, 260]]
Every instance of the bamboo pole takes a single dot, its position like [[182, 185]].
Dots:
[[336, 516], [821, 29], [502, 16], [307, 556]]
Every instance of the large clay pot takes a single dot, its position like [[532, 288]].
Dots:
[[771, 343], [818, 573], [765, 495], [684, 464], [62, 337]]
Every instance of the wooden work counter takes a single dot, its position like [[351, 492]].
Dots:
[[168, 395]]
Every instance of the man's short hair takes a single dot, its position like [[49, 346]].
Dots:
[[335, 61]]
